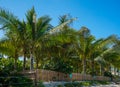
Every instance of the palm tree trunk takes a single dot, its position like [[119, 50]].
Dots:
[[24, 59], [15, 62], [24, 62], [100, 69], [36, 74], [114, 71], [37, 63], [31, 60], [84, 66], [93, 67]]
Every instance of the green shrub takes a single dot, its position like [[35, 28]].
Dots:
[[41, 84], [15, 80], [68, 85], [103, 82], [75, 84], [60, 86], [98, 82], [108, 74], [84, 84]]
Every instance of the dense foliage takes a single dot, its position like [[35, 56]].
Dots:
[[59, 48]]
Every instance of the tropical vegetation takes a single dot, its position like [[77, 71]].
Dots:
[[40, 45]]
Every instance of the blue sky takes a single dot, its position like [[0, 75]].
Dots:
[[102, 17]]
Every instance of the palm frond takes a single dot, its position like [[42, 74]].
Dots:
[[7, 18], [60, 27], [43, 25]]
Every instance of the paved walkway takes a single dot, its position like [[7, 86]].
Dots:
[[54, 84], [111, 85]]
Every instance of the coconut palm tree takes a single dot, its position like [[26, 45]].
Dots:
[[88, 48], [82, 44], [60, 41], [10, 23], [103, 47], [24, 37], [40, 29]]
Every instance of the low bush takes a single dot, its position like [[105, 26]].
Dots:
[[60, 86], [69, 85], [15, 80], [85, 83], [40, 84]]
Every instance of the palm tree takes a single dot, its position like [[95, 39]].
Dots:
[[9, 22], [104, 46], [39, 29], [36, 29], [59, 42], [24, 37], [83, 40], [88, 48]]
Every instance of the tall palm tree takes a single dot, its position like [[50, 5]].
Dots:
[[83, 40], [24, 37], [9, 22], [104, 46], [39, 29], [87, 47], [36, 29], [60, 41]]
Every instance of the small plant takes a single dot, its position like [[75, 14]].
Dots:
[[41, 84], [75, 84], [60, 86], [103, 82], [81, 84], [68, 85]]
